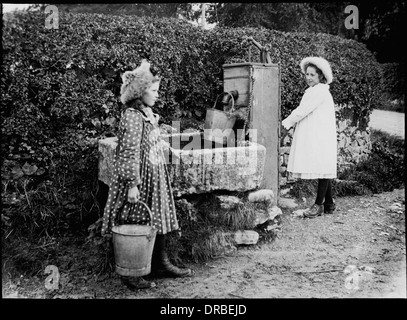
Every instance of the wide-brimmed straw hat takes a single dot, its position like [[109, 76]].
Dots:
[[321, 64]]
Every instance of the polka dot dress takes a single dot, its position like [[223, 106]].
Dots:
[[140, 161]]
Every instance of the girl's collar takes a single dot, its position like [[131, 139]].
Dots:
[[318, 85], [148, 114], [145, 111]]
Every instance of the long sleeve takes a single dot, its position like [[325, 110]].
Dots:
[[312, 98], [129, 152]]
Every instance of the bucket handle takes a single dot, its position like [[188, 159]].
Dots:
[[233, 101], [149, 212]]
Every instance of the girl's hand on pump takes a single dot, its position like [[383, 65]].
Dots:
[[286, 124]]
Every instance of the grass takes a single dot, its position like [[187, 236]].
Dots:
[[37, 211], [240, 218]]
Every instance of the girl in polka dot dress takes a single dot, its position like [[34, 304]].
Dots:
[[141, 174]]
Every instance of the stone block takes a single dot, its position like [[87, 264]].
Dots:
[[246, 237], [285, 159], [228, 202], [107, 154], [285, 150], [273, 212], [264, 215], [287, 140], [341, 142], [265, 195], [342, 125], [283, 181], [284, 191], [352, 129], [261, 217]]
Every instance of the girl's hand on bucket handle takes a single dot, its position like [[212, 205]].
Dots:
[[133, 195]]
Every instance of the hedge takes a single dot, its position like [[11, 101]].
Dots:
[[60, 94]]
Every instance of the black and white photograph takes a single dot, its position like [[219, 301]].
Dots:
[[203, 159]]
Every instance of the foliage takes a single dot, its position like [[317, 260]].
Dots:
[[379, 22], [387, 103], [343, 188], [60, 95], [384, 169], [380, 26], [304, 188], [282, 16], [76, 256], [394, 83], [155, 10]]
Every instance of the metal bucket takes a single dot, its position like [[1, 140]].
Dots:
[[219, 124], [133, 247]]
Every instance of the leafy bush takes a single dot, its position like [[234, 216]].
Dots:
[[302, 188], [394, 77], [384, 169], [393, 97], [60, 95]]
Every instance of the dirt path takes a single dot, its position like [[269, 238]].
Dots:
[[306, 260]]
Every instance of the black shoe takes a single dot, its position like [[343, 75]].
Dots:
[[136, 283], [315, 211], [329, 208]]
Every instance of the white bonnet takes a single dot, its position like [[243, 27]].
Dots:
[[321, 63], [136, 82]]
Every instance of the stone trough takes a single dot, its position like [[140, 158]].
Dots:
[[199, 166]]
